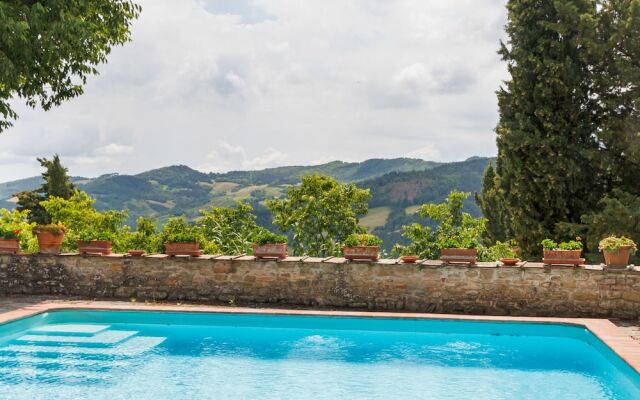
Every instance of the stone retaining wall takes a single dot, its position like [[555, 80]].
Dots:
[[529, 289]]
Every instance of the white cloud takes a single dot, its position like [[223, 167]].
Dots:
[[226, 156], [114, 150], [427, 152], [283, 81]]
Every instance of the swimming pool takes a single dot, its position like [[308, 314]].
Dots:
[[161, 355]]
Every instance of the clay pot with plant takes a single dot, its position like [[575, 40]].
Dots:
[[180, 238], [94, 242], [617, 250], [50, 237], [406, 253], [460, 248], [9, 240], [564, 253], [270, 245], [361, 246], [500, 251]]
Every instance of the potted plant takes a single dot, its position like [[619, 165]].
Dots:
[[407, 255], [93, 242], [361, 246], [270, 245], [9, 241], [564, 253], [50, 237], [505, 252], [617, 251], [460, 248], [180, 238]]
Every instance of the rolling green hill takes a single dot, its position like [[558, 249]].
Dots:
[[397, 185]]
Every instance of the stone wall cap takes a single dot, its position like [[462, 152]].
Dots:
[[342, 260], [313, 259]]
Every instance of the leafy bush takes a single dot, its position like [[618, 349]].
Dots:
[[17, 221], [144, 238], [498, 251], [361, 239], [9, 233], [84, 222], [454, 228], [613, 244], [95, 234], [178, 230], [320, 213], [400, 250], [267, 237], [232, 230]]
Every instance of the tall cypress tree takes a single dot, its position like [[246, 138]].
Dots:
[[616, 79], [546, 132], [498, 225], [56, 182]]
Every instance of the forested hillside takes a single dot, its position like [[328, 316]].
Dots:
[[398, 186]]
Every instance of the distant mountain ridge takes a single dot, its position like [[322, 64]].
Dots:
[[397, 185]]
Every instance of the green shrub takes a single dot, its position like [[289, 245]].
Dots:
[[319, 213], [144, 238], [17, 221], [498, 251], [232, 230], [178, 230], [361, 239], [9, 233], [267, 237], [453, 228], [84, 222]]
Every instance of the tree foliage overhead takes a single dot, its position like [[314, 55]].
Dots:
[[568, 128], [48, 48], [320, 213]]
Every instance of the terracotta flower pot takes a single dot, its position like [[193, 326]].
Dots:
[[562, 257], [617, 259], [182, 249], [370, 253], [94, 247], [409, 259], [9, 246], [270, 250], [459, 256], [50, 243], [136, 253], [510, 262]]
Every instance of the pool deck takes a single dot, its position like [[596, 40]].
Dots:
[[621, 336]]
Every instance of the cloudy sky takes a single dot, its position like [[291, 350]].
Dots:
[[248, 84]]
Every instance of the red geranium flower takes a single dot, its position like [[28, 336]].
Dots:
[[16, 232]]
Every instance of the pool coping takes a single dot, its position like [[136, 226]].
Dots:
[[611, 335]]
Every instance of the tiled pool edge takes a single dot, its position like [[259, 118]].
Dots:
[[611, 335]]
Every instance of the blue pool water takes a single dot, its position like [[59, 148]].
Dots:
[[144, 355]]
